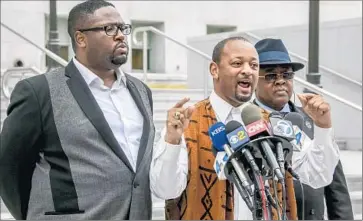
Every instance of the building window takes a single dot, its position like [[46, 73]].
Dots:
[[65, 47], [63, 52], [213, 29], [155, 48], [137, 59]]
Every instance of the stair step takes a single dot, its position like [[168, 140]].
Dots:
[[356, 195], [354, 182], [158, 209], [342, 144], [6, 216], [356, 198], [358, 216]]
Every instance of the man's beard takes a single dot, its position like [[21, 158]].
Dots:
[[242, 98], [119, 60]]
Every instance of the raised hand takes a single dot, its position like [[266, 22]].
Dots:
[[177, 121], [317, 108]]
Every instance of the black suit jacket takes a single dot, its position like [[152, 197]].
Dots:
[[336, 194], [31, 141]]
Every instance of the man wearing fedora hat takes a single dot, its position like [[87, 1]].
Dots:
[[273, 93]]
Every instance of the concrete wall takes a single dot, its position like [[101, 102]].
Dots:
[[32, 26], [182, 19]]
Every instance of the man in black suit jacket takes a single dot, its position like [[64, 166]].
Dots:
[[273, 93], [78, 141]]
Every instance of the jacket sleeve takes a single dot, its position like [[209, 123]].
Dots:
[[19, 148], [169, 169], [338, 203]]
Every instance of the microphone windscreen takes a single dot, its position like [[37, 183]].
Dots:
[[232, 125], [251, 113], [295, 118], [218, 136]]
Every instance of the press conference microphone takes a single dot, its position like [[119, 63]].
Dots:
[[257, 128], [288, 167], [237, 138], [219, 167], [297, 121], [283, 129], [218, 136], [220, 163]]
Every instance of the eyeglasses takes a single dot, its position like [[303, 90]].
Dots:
[[272, 77], [111, 30]]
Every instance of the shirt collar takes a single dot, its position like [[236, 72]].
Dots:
[[285, 109], [90, 77], [221, 107]]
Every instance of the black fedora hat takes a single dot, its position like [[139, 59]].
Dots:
[[273, 52]]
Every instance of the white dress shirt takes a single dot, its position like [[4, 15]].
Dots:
[[315, 164], [119, 109]]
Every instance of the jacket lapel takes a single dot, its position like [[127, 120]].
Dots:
[[91, 109], [146, 126]]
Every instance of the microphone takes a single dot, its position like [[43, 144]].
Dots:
[[237, 137], [295, 118], [257, 128], [297, 121], [220, 164], [283, 129], [238, 140], [219, 139], [270, 198], [288, 167]]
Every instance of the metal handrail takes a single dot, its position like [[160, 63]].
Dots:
[[157, 31], [299, 80], [306, 60], [62, 62], [24, 70], [55, 57]]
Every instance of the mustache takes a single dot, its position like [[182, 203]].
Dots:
[[280, 89], [245, 78], [122, 45]]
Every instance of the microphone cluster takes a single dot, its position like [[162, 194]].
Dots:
[[251, 154]]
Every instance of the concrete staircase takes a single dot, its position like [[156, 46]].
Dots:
[[352, 165], [355, 191]]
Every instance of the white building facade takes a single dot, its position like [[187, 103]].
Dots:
[[178, 19]]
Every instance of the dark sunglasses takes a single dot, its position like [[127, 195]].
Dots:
[[272, 77], [111, 30]]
